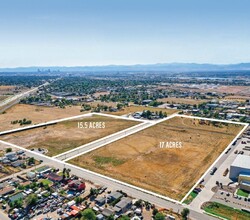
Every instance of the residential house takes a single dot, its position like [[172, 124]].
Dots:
[[77, 185], [55, 177], [114, 196], [123, 206]]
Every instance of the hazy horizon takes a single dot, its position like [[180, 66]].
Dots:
[[133, 64]]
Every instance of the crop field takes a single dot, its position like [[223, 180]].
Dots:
[[37, 114], [64, 136], [139, 160]]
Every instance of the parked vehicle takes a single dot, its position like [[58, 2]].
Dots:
[[213, 170]]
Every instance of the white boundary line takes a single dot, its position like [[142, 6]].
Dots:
[[91, 172], [44, 124], [67, 119], [120, 117], [182, 116], [127, 132], [213, 119], [117, 181], [214, 163]]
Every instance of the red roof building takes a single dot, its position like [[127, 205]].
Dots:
[[76, 185]]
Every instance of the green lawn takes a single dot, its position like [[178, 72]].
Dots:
[[226, 211], [243, 193], [60, 173], [46, 182], [190, 197]]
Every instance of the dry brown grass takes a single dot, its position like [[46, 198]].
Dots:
[[239, 90], [37, 114], [96, 103], [237, 98], [4, 88], [66, 135], [138, 159], [2, 97]]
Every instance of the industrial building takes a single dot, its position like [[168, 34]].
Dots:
[[241, 165], [240, 171]]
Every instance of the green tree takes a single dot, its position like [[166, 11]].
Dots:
[[119, 106], [8, 150], [32, 199], [185, 213], [88, 214], [31, 160], [155, 211], [124, 218], [78, 200], [159, 216], [111, 217], [17, 203]]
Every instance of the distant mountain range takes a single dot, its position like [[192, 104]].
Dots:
[[166, 67]]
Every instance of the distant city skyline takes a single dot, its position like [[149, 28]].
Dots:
[[123, 32]]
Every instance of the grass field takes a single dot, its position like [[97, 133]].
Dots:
[[139, 160], [37, 114], [132, 109], [46, 182], [66, 135], [226, 211], [190, 197], [243, 193]]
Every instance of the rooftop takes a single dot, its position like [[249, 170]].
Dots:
[[242, 161]]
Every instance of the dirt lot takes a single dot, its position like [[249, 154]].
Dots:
[[139, 160], [35, 114], [10, 90], [66, 135], [6, 88], [182, 101], [237, 98], [238, 90], [132, 109], [2, 97], [96, 103]]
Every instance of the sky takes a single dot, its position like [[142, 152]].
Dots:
[[102, 32]]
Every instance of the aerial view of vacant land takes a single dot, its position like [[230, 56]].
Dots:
[[66, 135], [11, 90], [139, 160], [2, 97], [7, 91], [37, 114]]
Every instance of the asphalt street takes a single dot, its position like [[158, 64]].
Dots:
[[114, 185]]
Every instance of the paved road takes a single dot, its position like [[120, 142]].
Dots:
[[210, 180], [114, 185], [9, 102], [3, 216], [103, 141]]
